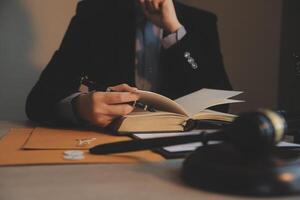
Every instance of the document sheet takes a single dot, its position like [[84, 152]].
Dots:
[[191, 146]]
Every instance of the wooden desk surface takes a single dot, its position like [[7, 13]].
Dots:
[[102, 181]]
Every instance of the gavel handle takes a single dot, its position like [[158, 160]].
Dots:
[[149, 144]]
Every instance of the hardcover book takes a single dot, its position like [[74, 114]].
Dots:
[[172, 115]]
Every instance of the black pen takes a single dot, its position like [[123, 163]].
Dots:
[[150, 144], [92, 86]]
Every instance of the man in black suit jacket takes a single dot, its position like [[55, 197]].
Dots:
[[100, 44]]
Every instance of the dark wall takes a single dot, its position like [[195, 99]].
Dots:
[[30, 31], [289, 76]]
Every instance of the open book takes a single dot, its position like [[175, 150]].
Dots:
[[172, 115]]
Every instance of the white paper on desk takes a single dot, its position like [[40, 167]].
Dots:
[[177, 148], [287, 144], [194, 146], [161, 135], [191, 146]]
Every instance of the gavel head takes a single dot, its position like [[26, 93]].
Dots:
[[257, 132]]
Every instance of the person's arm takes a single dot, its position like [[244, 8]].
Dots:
[[101, 108], [197, 54], [67, 111], [195, 59], [172, 38], [62, 75], [54, 95]]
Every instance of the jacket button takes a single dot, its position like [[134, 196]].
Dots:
[[194, 66], [191, 60], [187, 54]]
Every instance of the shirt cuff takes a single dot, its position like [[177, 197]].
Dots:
[[173, 38], [66, 111]]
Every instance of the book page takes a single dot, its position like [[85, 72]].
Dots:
[[190, 104], [205, 98], [160, 102]]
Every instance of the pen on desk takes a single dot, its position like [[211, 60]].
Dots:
[[137, 145], [96, 87]]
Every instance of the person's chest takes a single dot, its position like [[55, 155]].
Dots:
[[118, 45]]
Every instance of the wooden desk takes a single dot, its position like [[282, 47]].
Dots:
[[84, 182]]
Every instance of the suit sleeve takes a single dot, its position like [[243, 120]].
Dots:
[[197, 57], [62, 75]]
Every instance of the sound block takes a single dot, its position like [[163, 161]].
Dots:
[[221, 168]]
